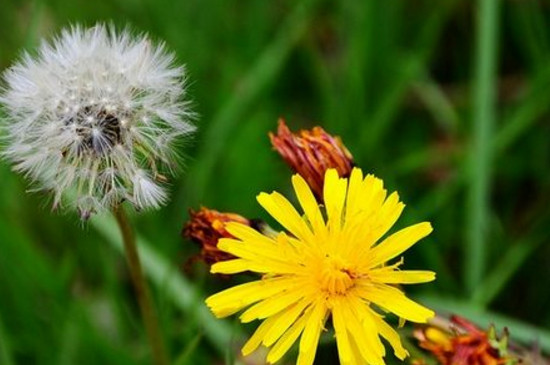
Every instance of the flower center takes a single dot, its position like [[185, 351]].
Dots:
[[335, 276], [99, 130]]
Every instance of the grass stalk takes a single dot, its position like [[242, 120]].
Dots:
[[481, 153], [5, 349], [219, 130]]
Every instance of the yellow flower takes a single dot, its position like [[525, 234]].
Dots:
[[324, 268]]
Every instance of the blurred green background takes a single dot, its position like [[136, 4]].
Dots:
[[447, 101]]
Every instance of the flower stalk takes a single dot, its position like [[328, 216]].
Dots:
[[148, 315]]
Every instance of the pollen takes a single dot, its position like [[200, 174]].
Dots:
[[334, 276]]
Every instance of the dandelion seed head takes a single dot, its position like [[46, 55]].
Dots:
[[96, 112]]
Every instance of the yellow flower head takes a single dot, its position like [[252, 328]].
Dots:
[[324, 267]]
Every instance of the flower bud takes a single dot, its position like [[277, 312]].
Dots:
[[206, 227], [311, 153], [461, 342]]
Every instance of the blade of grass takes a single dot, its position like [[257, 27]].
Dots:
[[519, 331], [6, 356], [359, 21], [532, 106], [437, 103], [104, 349], [532, 31], [380, 121], [414, 161], [69, 342], [520, 249], [507, 266], [269, 64], [481, 155], [178, 289], [185, 356], [536, 103], [411, 68]]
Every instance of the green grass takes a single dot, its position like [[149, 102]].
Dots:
[[481, 150], [447, 101]]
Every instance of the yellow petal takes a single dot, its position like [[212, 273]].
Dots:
[[243, 250], [397, 243], [334, 192], [248, 234], [311, 334], [362, 221], [286, 340], [234, 299], [363, 330], [262, 267], [290, 316], [256, 244], [230, 266], [387, 215], [401, 277], [342, 340], [274, 304], [373, 195], [354, 201], [263, 260], [357, 357], [309, 204], [393, 300], [256, 339], [391, 336], [284, 213]]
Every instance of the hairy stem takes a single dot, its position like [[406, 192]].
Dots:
[[142, 291]]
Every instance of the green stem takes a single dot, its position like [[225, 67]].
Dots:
[[183, 293], [141, 288], [481, 156]]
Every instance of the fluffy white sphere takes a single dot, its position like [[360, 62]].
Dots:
[[95, 116]]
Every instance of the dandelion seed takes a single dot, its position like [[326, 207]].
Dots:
[[96, 115], [328, 265]]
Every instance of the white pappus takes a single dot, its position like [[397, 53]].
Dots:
[[95, 116]]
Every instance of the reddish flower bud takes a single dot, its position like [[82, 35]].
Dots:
[[462, 343], [311, 152], [206, 227]]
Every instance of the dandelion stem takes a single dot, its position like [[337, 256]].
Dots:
[[141, 288]]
